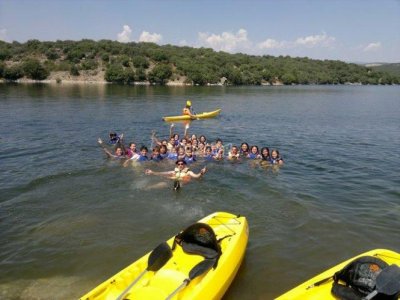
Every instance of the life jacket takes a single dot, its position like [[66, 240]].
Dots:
[[181, 174], [252, 156], [209, 157], [173, 156], [157, 158], [114, 140], [142, 158], [230, 155], [243, 153], [190, 160], [275, 161], [186, 111]]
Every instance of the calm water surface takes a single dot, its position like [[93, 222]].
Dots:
[[70, 218]]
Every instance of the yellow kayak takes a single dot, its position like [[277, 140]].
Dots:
[[204, 115], [319, 287], [195, 264]]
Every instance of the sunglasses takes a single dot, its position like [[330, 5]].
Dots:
[[180, 164]]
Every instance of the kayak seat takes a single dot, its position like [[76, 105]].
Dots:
[[200, 239], [192, 248]]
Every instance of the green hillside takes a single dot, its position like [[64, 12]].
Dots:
[[393, 69], [129, 63]]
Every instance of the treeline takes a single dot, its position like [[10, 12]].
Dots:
[[128, 63]]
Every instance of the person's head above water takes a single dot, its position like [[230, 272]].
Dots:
[[180, 162]]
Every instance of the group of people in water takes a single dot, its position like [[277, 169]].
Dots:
[[186, 150], [189, 149]]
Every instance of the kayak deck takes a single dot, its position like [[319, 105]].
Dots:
[[158, 285], [306, 290], [204, 115]]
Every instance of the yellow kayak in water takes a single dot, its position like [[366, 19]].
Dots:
[[204, 115], [198, 263], [319, 287]]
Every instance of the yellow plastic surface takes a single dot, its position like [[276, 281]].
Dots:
[[159, 284], [204, 115], [323, 291]]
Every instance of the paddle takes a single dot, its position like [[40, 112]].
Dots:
[[157, 259], [186, 129], [387, 282], [319, 282], [196, 271]]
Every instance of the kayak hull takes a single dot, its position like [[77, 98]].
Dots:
[[323, 291], [204, 115], [158, 285]]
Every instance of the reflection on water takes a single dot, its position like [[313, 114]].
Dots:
[[69, 218]]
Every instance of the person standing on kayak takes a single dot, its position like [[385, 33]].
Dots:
[[188, 109]]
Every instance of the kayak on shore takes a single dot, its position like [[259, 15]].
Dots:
[[320, 286], [198, 263], [204, 115]]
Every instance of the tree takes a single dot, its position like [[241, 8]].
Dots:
[[35, 70], [52, 54], [89, 64], [140, 62], [2, 68], [13, 73], [140, 75], [115, 73], [129, 76], [160, 74], [74, 71], [5, 54]]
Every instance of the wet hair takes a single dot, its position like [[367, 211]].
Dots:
[[277, 152], [204, 137], [164, 147], [247, 145], [262, 155], [247, 150], [180, 160], [254, 146]]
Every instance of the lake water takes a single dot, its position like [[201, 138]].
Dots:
[[70, 218]]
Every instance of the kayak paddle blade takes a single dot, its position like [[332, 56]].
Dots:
[[201, 268], [387, 282], [159, 257]]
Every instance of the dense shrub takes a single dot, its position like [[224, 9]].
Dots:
[[160, 74], [35, 70], [13, 73]]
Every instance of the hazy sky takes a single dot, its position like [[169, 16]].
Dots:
[[348, 30]]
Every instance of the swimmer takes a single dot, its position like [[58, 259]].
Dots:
[[119, 154], [275, 158], [180, 174], [234, 153], [143, 154], [254, 153], [244, 149]]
